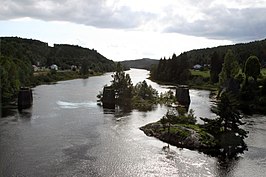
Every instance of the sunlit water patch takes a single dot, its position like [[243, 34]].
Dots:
[[71, 105]]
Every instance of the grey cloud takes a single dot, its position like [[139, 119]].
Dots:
[[222, 23], [89, 12], [218, 22]]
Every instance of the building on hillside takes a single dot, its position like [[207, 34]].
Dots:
[[54, 67], [197, 67], [35, 68]]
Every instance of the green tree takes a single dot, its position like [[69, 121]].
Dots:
[[122, 85], [226, 127], [252, 68], [145, 91], [84, 70], [216, 67], [230, 68], [9, 79]]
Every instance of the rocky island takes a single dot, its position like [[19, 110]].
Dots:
[[181, 131]]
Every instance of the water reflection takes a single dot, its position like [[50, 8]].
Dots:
[[25, 114], [226, 167], [67, 134]]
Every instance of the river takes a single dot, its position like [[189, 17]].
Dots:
[[66, 133]]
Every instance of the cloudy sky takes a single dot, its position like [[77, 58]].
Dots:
[[131, 29]]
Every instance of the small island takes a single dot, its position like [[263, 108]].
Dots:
[[180, 131]]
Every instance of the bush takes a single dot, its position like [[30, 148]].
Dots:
[[179, 118]]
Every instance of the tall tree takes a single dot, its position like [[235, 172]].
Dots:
[[9, 79], [252, 67], [122, 85], [84, 70], [216, 67], [230, 68], [145, 91], [226, 127]]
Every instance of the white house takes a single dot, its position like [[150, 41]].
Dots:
[[197, 66], [55, 67]]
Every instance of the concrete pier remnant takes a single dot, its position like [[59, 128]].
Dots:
[[108, 98], [25, 98], [182, 95]]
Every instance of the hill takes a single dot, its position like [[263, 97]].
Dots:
[[242, 51], [63, 55], [175, 69], [144, 63]]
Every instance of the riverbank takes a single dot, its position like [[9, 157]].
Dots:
[[52, 77], [191, 84]]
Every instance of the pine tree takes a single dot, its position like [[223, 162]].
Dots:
[[230, 68], [216, 67], [252, 67], [122, 85], [226, 128]]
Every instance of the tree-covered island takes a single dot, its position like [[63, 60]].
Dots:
[[127, 96]]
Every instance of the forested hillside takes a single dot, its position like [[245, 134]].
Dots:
[[242, 51], [145, 63], [18, 55], [39, 53], [175, 69], [237, 69]]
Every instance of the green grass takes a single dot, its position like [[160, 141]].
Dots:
[[263, 72], [49, 77], [204, 74], [182, 133]]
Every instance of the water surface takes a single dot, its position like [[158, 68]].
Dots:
[[65, 133]]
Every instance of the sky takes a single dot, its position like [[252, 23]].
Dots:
[[134, 29]]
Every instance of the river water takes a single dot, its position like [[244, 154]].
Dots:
[[66, 133]]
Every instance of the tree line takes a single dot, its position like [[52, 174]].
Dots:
[[174, 70]]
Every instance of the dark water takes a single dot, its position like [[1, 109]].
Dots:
[[65, 133]]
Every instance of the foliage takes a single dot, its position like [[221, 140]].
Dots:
[[144, 63], [230, 68], [216, 67], [226, 128], [14, 74], [145, 91], [52, 77], [167, 98], [263, 72], [180, 117], [144, 96], [174, 70], [9, 79], [122, 85], [40, 54], [242, 51], [141, 96], [18, 55], [84, 70], [252, 67]]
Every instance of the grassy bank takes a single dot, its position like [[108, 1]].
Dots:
[[55, 76], [198, 80]]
